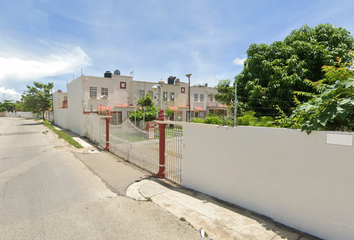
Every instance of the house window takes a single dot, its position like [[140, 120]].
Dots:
[[202, 115], [151, 94], [172, 117], [196, 114], [183, 89], [164, 96], [123, 85], [211, 96], [93, 92], [141, 94], [178, 116], [104, 91], [195, 97], [172, 96], [202, 97]]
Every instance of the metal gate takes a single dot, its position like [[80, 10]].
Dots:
[[135, 145], [174, 153]]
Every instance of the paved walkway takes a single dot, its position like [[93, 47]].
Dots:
[[220, 220]]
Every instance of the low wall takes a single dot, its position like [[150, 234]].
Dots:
[[303, 181], [2, 114], [21, 114], [92, 127], [61, 118]]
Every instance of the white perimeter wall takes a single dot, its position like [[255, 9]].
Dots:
[[294, 178], [92, 127], [22, 114]]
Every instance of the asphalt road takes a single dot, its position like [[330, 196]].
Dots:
[[47, 193]]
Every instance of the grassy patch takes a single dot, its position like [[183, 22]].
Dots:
[[63, 135], [182, 219], [149, 199]]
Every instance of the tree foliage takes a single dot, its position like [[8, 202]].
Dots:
[[146, 104], [331, 107], [8, 105], [37, 98], [273, 72], [226, 95]]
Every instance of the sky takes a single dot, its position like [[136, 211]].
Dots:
[[56, 41]]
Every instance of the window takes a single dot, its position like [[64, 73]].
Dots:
[[211, 96], [151, 94], [196, 114], [104, 91], [93, 92], [123, 85], [202, 97], [196, 97], [141, 94], [183, 89], [172, 96], [172, 117], [178, 116], [164, 96], [202, 115]]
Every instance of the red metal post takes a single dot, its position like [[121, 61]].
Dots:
[[107, 131], [162, 126]]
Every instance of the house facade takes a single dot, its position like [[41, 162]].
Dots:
[[120, 94]]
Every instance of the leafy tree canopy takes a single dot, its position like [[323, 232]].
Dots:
[[8, 105], [150, 110], [331, 107], [38, 98], [273, 72]]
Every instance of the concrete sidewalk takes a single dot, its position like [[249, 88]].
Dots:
[[220, 220]]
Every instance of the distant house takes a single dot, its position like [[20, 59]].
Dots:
[[119, 94]]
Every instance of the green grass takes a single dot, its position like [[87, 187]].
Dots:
[[182, 219], [63, 135]]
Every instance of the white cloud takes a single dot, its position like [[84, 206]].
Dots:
[[60, 61], [239, 61], [9, 94]]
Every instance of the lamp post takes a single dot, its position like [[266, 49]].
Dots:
[[159, 94], [189, 95]]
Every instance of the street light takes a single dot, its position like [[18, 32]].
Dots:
[[189, 95], [159, 94]]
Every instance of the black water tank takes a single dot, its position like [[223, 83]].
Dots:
[[171, 80], [108, 74]]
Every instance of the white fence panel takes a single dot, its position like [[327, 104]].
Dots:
[[174, 154]]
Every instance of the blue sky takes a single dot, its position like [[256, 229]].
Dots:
[[50, 41]]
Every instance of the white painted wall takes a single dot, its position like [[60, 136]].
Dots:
[[21, 114], [75, 106], [294, 178], [92, 127]]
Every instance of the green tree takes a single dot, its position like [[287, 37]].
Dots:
[[226, 95], [273, 72], [150, 110], [38, 98], [331, 104], [8, 105]]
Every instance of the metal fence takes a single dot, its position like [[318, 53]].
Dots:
[[135, 145], [174, 153]]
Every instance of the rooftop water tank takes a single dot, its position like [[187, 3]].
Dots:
[[108, 74]]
